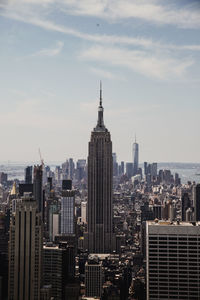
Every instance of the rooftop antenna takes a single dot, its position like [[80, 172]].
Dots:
[[100, 93], [41, 159]]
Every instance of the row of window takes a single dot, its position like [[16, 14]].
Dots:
[[173, 238]]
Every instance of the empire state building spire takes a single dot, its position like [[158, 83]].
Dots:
[[100, 93], [100, 123]]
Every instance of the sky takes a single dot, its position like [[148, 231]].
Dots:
[[53, 54]]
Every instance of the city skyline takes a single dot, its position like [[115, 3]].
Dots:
[[94, 229], [146, 53]]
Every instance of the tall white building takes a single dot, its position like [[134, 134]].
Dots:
[[135, 157], [68, 212], [172, 257], [84, 212]]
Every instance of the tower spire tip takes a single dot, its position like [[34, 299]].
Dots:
[[100, 93]]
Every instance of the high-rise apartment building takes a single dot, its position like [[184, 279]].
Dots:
[[135, 157], [52, 217], [151, 169], [37, 188], [93, 278], [100, 188], [25, 251], [84, 212], [115, 165], [4, 217], [68, 212], [55, 270], [28, 174], [154, 170], [122, 167], [185, 204], [172, 256], [129, 169], [196, 197], [71, 168], [58, 174], [3, 178], [80, 169]]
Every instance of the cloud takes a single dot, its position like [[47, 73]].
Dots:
[[159, 67], [50, 51], [158, 12], [159, 61], [37, 20], [155, 11]]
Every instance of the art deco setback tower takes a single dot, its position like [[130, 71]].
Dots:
[[100, 182]]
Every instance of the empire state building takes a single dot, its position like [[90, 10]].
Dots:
[[99, 237]]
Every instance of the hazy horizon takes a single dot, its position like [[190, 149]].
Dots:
[[26, 163]]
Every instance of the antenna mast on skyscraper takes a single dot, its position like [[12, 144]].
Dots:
[[100, 93], [41, 159]]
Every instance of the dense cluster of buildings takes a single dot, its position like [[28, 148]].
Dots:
[[99, 230]]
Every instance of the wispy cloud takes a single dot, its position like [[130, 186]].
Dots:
[[139, 61], [160, 12], [143, 42], [152, 58], [155, 11], [28, 16], [50, 51]]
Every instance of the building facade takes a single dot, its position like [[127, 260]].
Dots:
[[93, 279], [28, 174], [37, 188], [172, 257], [196, 197], [55, 270], [84, 212], [25, 251], [68, 212]]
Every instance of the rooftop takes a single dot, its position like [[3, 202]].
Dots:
[[174, 223]]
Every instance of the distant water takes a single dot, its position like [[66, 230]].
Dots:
[[186, 171], [16, 170], [187, 175]]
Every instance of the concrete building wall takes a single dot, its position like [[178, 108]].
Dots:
[[172, 253]]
